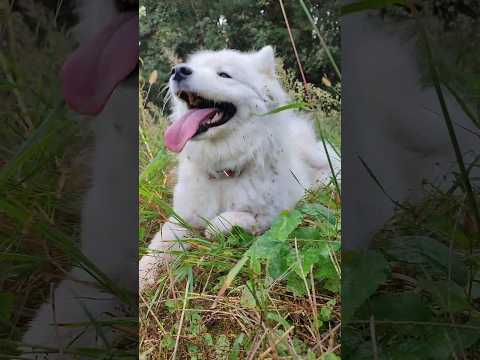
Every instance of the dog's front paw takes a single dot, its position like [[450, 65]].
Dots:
[[165, 241], [224, 223], [147, 272]]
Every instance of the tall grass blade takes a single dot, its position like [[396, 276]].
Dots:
[[466, 109], [295, 105], [453, 137], [322, 40]]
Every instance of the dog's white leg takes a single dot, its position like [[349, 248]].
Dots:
[[168, 239], [226, 221], [73, 302]]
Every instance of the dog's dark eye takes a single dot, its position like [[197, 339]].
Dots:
[[224, 75]]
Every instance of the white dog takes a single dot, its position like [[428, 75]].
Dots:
[[237, 166], [108, 35]]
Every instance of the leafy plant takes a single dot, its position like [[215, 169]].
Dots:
[[272, 295]]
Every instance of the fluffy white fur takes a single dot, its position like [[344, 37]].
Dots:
[[263, 150], [390, 121], [109, 217]]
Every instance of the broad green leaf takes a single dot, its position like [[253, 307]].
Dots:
[[266, 245], [405, 306], [435, 342], [426, 250], [295, 284], [307, 233], [282, 227], [362, 274], [447, 294], [277, 264]]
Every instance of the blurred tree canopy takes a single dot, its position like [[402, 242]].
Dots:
[[453, 28], [170, 30]]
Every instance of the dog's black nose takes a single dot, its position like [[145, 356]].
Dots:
[[181, 72]]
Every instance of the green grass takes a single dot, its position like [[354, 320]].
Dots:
[[238, 296]]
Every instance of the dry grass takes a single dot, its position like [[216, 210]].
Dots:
[[258, 317]]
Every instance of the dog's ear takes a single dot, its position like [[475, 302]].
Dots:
[[266, 60]]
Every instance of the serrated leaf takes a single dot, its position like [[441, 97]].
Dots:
[[281, 228], [283, 225]]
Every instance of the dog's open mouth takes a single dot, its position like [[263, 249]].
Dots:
[[93, 71], [224, 110], [202, 115]]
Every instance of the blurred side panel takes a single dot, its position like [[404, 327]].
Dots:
[[411, 141], [68, 179]]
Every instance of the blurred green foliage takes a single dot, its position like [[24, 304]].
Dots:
[[170, 30]]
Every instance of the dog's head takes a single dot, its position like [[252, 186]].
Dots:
[[108, 35], [218, 93]]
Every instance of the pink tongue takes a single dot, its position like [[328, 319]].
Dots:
[[92, 72], [184, 128]]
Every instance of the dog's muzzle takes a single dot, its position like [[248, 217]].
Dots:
[[181, 72]]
